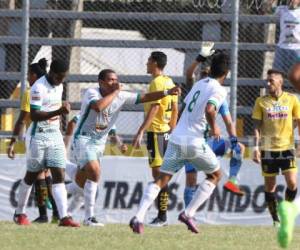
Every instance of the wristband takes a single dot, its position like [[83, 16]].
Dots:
[[255, 148], [200, 58], [166, 92]]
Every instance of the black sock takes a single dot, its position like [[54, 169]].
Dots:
[[162, 199], [271, 201], [41, 193], [290, 195], [50, 196]]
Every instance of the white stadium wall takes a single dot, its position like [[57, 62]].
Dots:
[[124, 179]]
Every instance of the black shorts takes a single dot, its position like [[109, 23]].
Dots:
[[156, 146], [272, 162]]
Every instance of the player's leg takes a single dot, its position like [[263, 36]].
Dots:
[[190, 183], [156, 145], [41, 194], [234, 167], [25, 187], [173, 161], [51, 202], [55, 160], [271, 198], [203, 159]]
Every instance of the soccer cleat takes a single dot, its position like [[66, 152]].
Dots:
[[68, 222], [136, 226], [92, 222], [287, 213], [41, 219], [21, 219], [157, 222], [233, 188], [189, 222]]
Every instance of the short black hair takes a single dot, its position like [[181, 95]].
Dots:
[[59, 66], [39, 68], [277, 72], [219, 65], [160, 58], [103, 73]]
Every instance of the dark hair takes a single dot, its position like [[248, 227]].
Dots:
[[58, 66], [103, 73], [219, 65], [277, 72], [160, 58], [39, 68]]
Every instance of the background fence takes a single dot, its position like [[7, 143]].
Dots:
[[96, 34]]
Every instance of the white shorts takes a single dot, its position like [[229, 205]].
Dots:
[[200, 156]]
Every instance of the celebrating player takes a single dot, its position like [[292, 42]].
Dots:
[[187, 144], [99, 111]]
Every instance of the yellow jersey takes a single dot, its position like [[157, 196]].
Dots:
[[277, 116], [160, 123], [25, 105]]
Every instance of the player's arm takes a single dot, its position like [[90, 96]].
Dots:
[[145, 125], [101, 104], [211, 114], [37, 115], [116, 140], [157, 95], [174, 115], [20, 123], [256, 152], [69, 131]]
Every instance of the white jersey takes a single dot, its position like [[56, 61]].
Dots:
[[192, 123], [45, 97], [289, 27], [98, 124]]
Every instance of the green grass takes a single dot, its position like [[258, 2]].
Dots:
[[115, 236]]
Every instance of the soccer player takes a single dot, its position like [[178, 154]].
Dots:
[[160, 119], [99, 111], [220, 146], [42, 185], [187, 144], [45, 146], [78, 176], [273, 116]]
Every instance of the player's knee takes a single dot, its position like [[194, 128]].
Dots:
[[58, 175]]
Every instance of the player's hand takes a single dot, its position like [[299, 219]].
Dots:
[[117, 86], [11, 151], [65, 108], [205, 52], [256, 156], [137, 141], [174, 91], [123, 147]]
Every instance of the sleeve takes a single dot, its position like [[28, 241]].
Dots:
[[296, 108], [25, 103], [91, 96], [36, 96], [130, 98], [217, 98], [224, 109], [279, 10], [76, 118], [113, 130], [257, 111]]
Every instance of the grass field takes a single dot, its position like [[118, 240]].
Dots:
[[116, 236]]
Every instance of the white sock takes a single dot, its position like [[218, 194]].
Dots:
[[71, 170], [73, 188], [202, 193], [90, 190], [23, 196], [151, 192], [60, 196], [76, 203]]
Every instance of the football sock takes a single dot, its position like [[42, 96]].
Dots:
[[271, 201], [50, 196], [189, 194], [162, 200], [90, 191], [234, 167], [41, 194], [23, 196], [290, 195], [60, 196]]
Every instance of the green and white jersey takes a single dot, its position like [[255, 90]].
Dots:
[[192, 123], [47, 98], [98, 124]]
